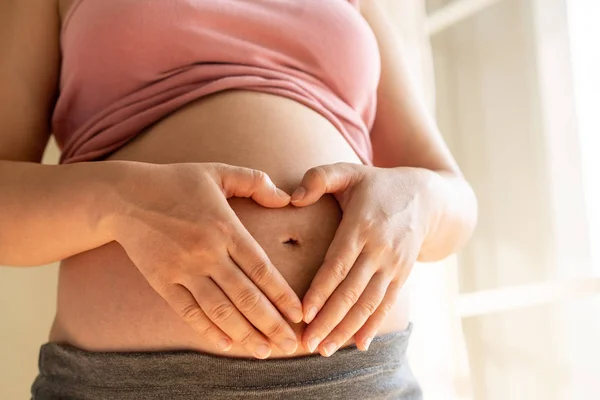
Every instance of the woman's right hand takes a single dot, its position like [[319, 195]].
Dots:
[[176, 225]]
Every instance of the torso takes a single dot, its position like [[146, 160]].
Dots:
[[104, 304]]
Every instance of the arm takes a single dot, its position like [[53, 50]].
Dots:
[[41, 206], [52, 212], [414, 204], [173, 220], [405, 135], [174, 223], [29, 65], [29, 68]]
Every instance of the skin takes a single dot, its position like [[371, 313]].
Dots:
[[423, 208], [418, 208], [68, 209]]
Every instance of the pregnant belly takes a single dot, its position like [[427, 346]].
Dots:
[[104, 303]]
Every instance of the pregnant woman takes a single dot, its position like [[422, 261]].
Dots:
[[243, 189]]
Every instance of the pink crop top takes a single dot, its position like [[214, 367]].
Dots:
[[128, 63]]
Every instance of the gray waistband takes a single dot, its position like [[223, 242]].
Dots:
[[81, 371]]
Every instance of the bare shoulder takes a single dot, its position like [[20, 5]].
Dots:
[[29, 44]]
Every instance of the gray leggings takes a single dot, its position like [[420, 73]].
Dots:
[[382, 372]]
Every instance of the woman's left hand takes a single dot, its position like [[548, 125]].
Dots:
[[384, 224]]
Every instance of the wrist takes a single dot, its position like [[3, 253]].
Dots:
[[113, 183], [450, 209], [429, 187]]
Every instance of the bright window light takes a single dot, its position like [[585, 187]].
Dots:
[[584, 27]]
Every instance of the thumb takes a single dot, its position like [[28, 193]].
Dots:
[[331, 178], [247, 182]]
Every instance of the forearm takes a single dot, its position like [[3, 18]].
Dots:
[[51, 212], [450, 214]]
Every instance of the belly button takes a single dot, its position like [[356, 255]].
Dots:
[[292, 242]]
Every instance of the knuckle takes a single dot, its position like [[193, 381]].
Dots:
[[349, 296], [365, 228], [198, 251], [316, 296], [343, 332], [209, 170], [386, 308], [221, 312], [260, 177], [387, 219], [396, 260], [275, 330], [367, 307], [317, 173], [247, 300], [325, 326], [337, 268], [261, 272], [192, 314], [217, 167], [192, 263], [247, 337], [222, 226], [282, 299], [162, 278], [407, 230], [208, 330], [385, 245]]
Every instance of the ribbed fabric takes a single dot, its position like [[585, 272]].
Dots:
[[380, 373], [128, 63]]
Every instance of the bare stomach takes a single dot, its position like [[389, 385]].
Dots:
[[104, 303]]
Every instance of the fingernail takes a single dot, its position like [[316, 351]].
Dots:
[[310, 315], [298, 194], [367, 343], [295, 315], [223, 344], [262, 351], [329, 348], [282, 194], [313, 343], [289, 345]]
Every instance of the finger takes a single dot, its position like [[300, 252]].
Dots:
[[325, 179], [219, 308], [252, 259], [253, 304], [365, 334], [341, 301], [365, 306], [247, 182], [343, 252], [185, 305]]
